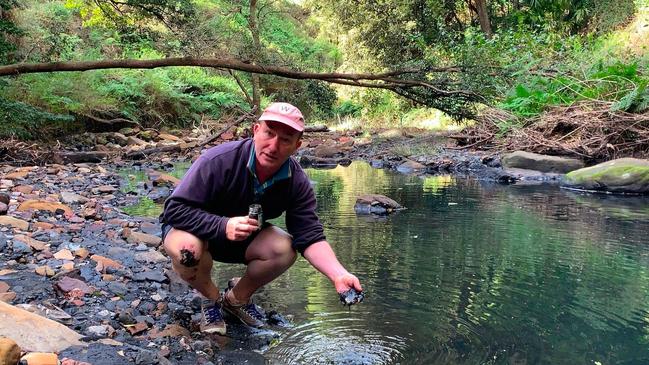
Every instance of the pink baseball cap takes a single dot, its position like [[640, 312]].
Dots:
[[284, 113]]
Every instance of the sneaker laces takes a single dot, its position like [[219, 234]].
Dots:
[[213, 314], [253, 311]]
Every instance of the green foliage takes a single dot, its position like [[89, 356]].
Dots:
[[24, 121], [617, 81], [322, 98], [348, 108], [636, 101], [8, 30]]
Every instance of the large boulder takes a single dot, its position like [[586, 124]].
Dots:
[[375, 204], [33, 332], [543, 163], [621, 176]]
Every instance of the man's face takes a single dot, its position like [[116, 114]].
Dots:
[[274, 144]]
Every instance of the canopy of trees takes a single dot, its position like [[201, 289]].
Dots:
[[459, 54]]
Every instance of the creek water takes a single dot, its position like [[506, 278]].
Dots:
[[470, 273]]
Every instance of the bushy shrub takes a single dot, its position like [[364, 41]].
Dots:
[[348, 108], [25, 121]]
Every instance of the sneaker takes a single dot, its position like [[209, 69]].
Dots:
[[250, 314], [212, 317]]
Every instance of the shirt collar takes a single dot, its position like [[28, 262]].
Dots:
[[283, 173]]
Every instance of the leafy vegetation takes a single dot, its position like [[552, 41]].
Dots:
[[24, 121], [523, 56]]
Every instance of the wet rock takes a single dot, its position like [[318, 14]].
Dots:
[[621, 176], [5, 198], [543, 163], [161, 179], [138, 237], [126, 317], [64, 254], [9, 351], [145, 357], [35, 333], [23, 189], [168, 137], [159, 194], [72, 198], [45, 271], [118, 288], [351, 297], [105, 262], [156, 276], [67, 284], [6, 220], [97, 331], [150, 256], [77, 157], [326, 151], [375, 204], [44, 205], [3, 241], [275, 319], [17, 175], [48, 310], [134, 141], [20, 248], [410, 166], [33, 243], [118, 138], [171, 330]]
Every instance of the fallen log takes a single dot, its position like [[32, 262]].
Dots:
[[79, 157], [316, 128], [139, 155]]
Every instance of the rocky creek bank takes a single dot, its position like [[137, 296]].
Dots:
[[68, 252]]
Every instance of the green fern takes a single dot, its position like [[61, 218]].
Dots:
[[636, 101]]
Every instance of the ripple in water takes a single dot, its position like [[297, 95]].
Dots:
[[334, 338]]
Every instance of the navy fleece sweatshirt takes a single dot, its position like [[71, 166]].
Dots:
[[219, 185]]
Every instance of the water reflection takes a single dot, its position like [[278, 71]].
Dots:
[[472, 273]]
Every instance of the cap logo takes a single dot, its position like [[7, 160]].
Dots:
[[285, 109]]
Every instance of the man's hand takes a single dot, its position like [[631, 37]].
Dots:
[[239, 228], [347, 281]]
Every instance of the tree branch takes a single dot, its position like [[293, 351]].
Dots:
[[416, 84]]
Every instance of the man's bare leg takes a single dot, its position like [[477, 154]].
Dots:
[[269, 255], [199, 276]]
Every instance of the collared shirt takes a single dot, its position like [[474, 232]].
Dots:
[[283, 173]]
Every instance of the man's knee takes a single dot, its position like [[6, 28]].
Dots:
[[183, 247]]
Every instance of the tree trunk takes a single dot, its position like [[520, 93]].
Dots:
[[483, 17], [256, 49]]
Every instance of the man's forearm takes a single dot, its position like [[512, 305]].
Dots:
[[322, 257]]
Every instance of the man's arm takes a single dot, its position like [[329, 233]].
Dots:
[[184, 209], [322, 257]]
